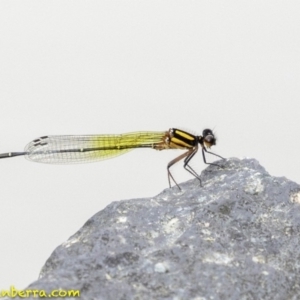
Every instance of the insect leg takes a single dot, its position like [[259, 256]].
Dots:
[[174, 161], [188, 167], [204, 159]]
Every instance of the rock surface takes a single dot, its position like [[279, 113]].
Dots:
[[237, 237]]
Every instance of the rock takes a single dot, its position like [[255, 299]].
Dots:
[[237, 237]]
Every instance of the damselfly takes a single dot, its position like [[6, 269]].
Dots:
[[66, 149]]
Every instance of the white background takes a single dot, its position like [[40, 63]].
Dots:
[[99, 67]]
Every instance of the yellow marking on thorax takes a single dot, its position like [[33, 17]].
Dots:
[[180, 142], [185, 135]]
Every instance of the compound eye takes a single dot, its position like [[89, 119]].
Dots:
[[209, 138], [207, 132]]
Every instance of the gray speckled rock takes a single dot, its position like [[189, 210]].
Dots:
[[237, 237]]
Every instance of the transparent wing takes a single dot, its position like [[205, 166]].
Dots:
[[67, 149]]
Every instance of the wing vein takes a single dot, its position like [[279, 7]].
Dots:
[[66, 149]]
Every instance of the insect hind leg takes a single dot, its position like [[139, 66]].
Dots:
[[174, 161]]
